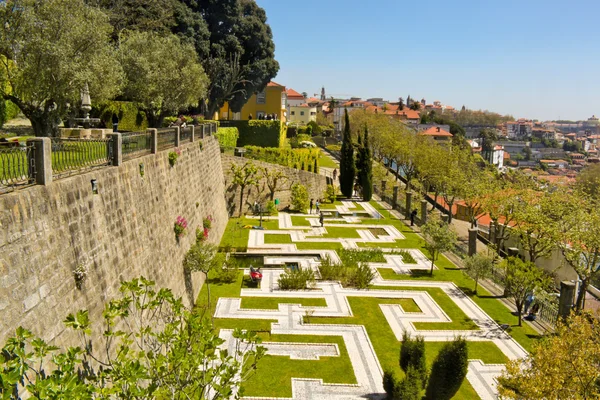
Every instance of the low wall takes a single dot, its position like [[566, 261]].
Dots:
[[315, 183], [124, 231]]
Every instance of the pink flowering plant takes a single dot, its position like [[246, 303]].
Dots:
[[173, 156], [207, 222], [180, 227]]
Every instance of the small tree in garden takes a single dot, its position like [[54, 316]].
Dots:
[[412, 355], [202, 257], [274, 179], [365, 167], [479, 266], [300, 198], [448, 370], [244, 176], [523, 278], [439, 237], [159, 349], [347, 166]]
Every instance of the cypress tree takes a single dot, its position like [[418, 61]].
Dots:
[[412, 355], [347, 167], [316, 167], [366, 168], [448, 371]]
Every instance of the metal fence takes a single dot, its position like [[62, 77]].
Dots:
[[166, 138], [185, 135], [71, 156], [17, 165], [136, 144]]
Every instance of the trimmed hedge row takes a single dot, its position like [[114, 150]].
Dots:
[[303, 159], [228, 137], [130, 117], [260, 133]]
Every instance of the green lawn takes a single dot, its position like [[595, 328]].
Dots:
[[325, 161], [236, 235], [338, 232], [272, 303], [278, 238], [300, 221], [318, 246]]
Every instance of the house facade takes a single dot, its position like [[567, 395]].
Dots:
[[271, 101]]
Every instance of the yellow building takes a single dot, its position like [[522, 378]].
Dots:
[[272, 100], [302, 114]]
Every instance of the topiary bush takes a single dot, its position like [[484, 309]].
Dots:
[[260, 133], [412, 355], [299, 198], [448, 370], [227, 137], [330, 194]]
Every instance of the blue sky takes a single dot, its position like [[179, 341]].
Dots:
[[529, 58]]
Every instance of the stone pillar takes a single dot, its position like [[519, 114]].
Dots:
[[374, 188], [116, 147], [567, 298], [445, 218], [408, 204], [423, 211], [395, 199], [203, 133], [177, 136], [154, 139], [193, 128], [492, 235], [383, 186], [42, 160], [472, 241]]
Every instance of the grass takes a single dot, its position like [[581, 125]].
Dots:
[[272, 303], [274, 373], [278, 238], [325, 161], [236, 236], [300, 221], [318, 246], [338, 232]]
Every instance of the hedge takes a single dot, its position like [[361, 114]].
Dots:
[[304, 159], [228, 137], [260, 133], [130, 117]]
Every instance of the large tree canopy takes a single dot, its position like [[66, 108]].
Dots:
[[50, 50], [242, 51], [163, 75]]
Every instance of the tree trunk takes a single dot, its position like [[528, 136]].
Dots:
[[476, 282], [44, 124], [432, 261], [155, 120], [450, 212], [242, 200], [581, 295], [520, 311]]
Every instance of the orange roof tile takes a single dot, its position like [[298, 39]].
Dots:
[[274, 84], [292, 94], [435, 131]]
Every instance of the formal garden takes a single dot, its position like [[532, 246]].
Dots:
[[334, 301]]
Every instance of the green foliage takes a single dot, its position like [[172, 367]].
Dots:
[[407, 258], [347, 167], [390, 381], [260, 133], [410, 387], [412, 355], [159, 348], [55, 48], [272, 208], [334, 147], [173, 156], [364, 164], [350, 272], [227, 137], [229, 271], [439, 237], [244, 176], [316, 128], [164, 76], [201, 257], [299, 198], [131, 118], [296, 279], [479, 266], [351, 257], [448, 371], [330, 194]]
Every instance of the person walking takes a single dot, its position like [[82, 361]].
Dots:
[[318, 206], [311, 206], [321, 219], [413, 215], [334, 174], [115, 122]]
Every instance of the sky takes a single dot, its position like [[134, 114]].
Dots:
[[528, 58]]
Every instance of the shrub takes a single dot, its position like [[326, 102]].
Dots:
[[229, 272], [412, 355], [180, 226], [390, 381], [351, 257], [334, 148], [287, 157], [331, 271], [349, 272], [130, 117], [227, 137], [410, 387], [300, 198], [297, 279], [407, 258], [448, 371], [272, 208], [260, 133], [173, 156], [316, 128], [330, 194], [361, 276]]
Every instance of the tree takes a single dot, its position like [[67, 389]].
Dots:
[[365, 168], [479, 266], [401, 104], [241, 60], [347, 166], [164, 76], [412, 355], [299, 198], [202, 257], [439, 237], [521, 279], [415, 105], [153, 347], [448, 370], [527, 153], [244, 176], [49, 52], [588, 181], [564, 365], [488, 137], [274, 179]]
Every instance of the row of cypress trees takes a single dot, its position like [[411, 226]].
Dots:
[[352, 167]]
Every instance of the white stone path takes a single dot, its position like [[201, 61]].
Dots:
[[364, 361]]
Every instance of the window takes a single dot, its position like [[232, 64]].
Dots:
[[293, 112], [261, 97], [283, 100], [301, 112]]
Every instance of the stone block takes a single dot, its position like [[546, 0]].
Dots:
[[31, 301]]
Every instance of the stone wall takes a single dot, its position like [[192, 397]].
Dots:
[[124, 231], [315, 183]]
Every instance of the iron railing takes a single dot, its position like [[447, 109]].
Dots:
[[166, 138], [17, 165], [185, 135], [71, 156], [136, 144]]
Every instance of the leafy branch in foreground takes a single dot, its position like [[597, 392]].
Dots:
[[154, 347]]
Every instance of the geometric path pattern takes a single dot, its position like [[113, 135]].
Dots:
[[366, 366]]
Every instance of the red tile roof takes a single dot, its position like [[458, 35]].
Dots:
[[274, 84], [435, 131], [292, 94]]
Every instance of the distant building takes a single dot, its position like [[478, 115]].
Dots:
[[272, 100], [302, 114], [377, 101], [518, 130], [438, 134]]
